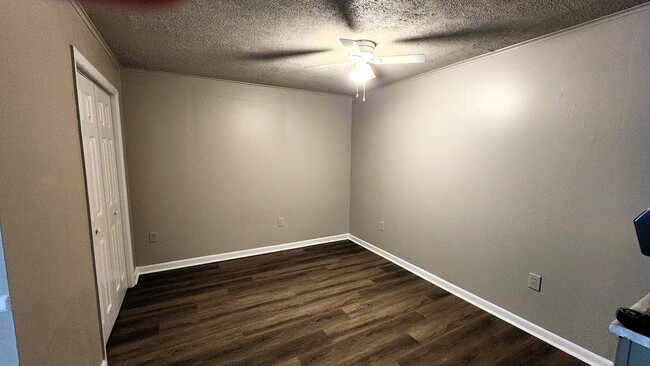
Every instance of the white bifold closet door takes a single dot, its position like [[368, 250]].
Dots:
[[103, 198]]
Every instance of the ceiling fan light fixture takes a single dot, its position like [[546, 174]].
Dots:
[[361, 73]]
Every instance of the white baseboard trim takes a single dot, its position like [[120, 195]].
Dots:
[[160, 267], [136, 277], [519, 322]]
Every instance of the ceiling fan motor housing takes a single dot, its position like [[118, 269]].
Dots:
[[367, 48]]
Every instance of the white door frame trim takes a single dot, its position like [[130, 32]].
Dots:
[[82, 64]]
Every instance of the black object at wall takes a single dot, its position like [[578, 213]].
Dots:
[[642, 225]]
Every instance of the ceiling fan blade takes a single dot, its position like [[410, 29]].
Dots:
[[345, 12], [399, 59], [457, 35], [351, 45], [276, 55], [325, 65]]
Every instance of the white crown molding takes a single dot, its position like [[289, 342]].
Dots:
[[519, 322], [241, 83], [91, 26], [183, 263]]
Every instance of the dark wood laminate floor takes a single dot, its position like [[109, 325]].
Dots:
[[332, 304]]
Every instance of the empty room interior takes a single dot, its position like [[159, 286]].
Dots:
[[324, 182]]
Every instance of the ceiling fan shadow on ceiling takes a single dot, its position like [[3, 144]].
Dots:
[[278, 55], [360, 51]]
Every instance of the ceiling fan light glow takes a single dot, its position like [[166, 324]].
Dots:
[[361, 73]]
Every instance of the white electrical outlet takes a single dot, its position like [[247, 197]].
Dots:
[[153, 237], [381, 226], [280, 221], [535, 282]]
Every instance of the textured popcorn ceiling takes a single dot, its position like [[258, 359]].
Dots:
[[270, 41]]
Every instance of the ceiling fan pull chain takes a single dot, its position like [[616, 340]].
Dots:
[[364, 91]]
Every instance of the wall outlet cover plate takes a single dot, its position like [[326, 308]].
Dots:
[[535, 282]]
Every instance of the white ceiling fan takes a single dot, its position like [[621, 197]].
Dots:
[[362, 54]]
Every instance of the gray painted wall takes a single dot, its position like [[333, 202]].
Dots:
[[43, 211], [536, 159], [213, 164]]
